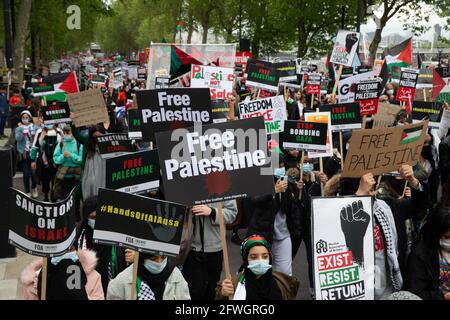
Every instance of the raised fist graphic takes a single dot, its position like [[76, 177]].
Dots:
[[350, 41]]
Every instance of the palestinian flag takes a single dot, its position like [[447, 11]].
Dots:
[[411, 135], [384, 75], [275, 147], [63, 83], [180, 63], [441, 84], [399, 56]]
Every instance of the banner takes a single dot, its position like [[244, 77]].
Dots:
[[41, 228], [42, 88], [169, 109], [321, 117], [346, 87], [441, 84], [114, 144], [139, 223], [313, 82], [217, 163], [262, 77], [308, 136], [273, 110], [366, 94], [407, 87], [343, 245], [287, 69], [386, 115], [384, 150], [345, 116], [89, 108], [162, 82], [134, 172], [427, 111], [220, 110], [57, 112], [218, 80], [344, 49], [134, 124]]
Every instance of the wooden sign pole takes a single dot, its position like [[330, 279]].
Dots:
[[321, 171], [226, 263], [301, 172], [135, 271], [364, 119], [312, 102], [336, 83], [44, 279], [404, 189], [342, 149]]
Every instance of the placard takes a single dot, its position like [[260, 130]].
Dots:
[[220, 110], [308, 136], [366, 94], [431, 111], [313, 82], [343, 245], [218, 80], [162, 82], [262, 77], [386, 115], [56, 112], [345, 47], [321, 117], [139, 223], [134, 124], [114, 144], [344, 116], [89, 108], [407, 87]]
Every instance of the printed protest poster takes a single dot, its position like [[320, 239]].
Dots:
[[41, 228], [344, 116], [346, 87], [170, 109], [386, 115], [117, 76], [99, 79], [133, 172], [427, 111], [241, 61], [220, 110], [89, 108], [142, 74], [313, 82], [216, 162], [162, 82], [56, 112], [42, 88], [366, 94], [343, 245], [321, 117], [263, 77], [344, 49], [114, 144], [287, 69], [272, 109], [384, 150], [134, 124], [407, 86], [308, 136], [441, 84], [218, 80], [425, 79], [139, 223]]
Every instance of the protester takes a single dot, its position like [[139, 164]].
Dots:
[[3, 112], [257, 280], [157, 279]]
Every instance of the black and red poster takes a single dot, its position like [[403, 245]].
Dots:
[[407, 87], [114, 144], [56, 112], [223, 161], [366, 94], [313, 81], [308, 136]]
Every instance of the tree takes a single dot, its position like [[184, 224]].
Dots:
[[21, 37]]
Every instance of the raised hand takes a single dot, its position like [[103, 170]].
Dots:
[[354, 223], [166, 233]]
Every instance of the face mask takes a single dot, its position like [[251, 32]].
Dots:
[[445, 244], [72, 255], [290, 100], [25, 121], [49, 126], [347, 146], [280, 172], [259, 267], [308, 168], [68, 138], [91, 223], [390, 92], [155, 267]]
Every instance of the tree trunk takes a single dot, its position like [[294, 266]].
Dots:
[[190, 30], [374, 46], [301, 44], [21, 37], [205, 27]]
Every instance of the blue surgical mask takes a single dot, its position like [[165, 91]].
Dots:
[[68, 138], [259, 267], [279, 172], [91, 223], [308, 168], [72, 255], [49, 126], [155, 267]]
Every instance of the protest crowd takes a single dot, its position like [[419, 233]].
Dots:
[[362, 179]]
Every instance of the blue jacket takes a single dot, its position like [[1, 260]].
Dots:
[[25, 141], [76, 154], [3, 105]]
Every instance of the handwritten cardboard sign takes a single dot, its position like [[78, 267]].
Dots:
[[89, 108]]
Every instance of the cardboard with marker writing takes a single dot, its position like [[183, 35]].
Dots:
[[139, 223], [223, 161], [386, 115], [170, 109], [343, 248], [89, 108], [308, 136], [384, 150]]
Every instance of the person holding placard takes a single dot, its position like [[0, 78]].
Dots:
[[157, 279], [257, 280]]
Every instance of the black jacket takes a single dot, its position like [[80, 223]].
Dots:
[[264, 209], [444, 160], [311, 189], [423, 272]]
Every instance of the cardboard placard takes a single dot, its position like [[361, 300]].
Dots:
[[41, 228], [427, 111], [263, 77], [114, 144], [344, 116], [170, 109], [216, 163], [56, 112], [343, 245], [133, 172], [89, 108], [272, 109], [139, 223], [218, 80], [313, 82], [386, 115], [134, 124], [344, 49], [407, 86], [308, 136], [384, 150], [366, 94]]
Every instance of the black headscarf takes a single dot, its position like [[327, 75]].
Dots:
[[156, 282], [263, 288]]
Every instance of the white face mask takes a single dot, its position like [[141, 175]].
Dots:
[[445, 244], [91, 223]]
